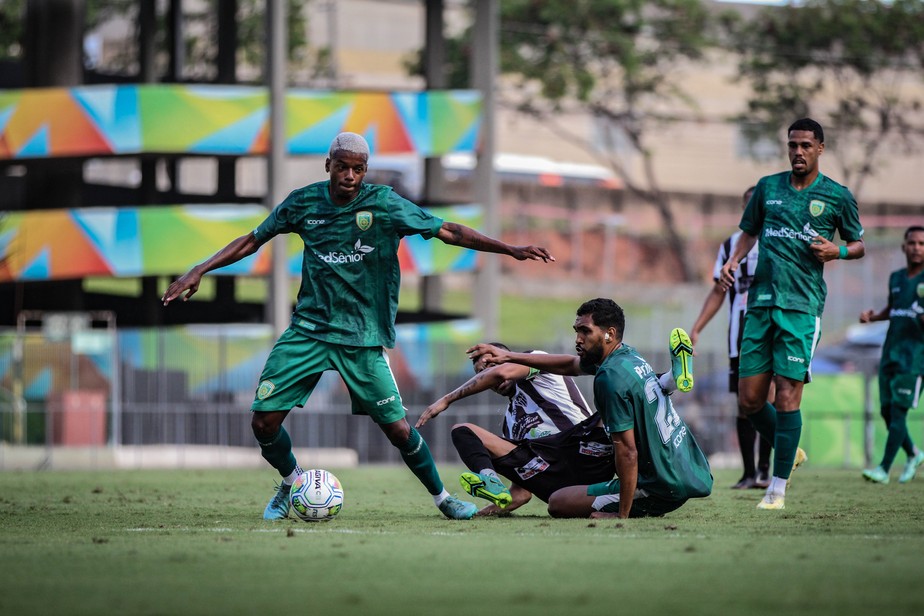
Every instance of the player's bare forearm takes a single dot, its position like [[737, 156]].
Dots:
[[188, 283], [459, 235], [626, 469], [710, 307], [569, 365], [432, 411]]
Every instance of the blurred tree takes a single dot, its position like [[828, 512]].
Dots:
[[620, 62], [11, 18], [200, 25], [855, 66]]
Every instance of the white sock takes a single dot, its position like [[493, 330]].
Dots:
[[777, 486], [490, 472], [667, 381], [291, 477], [439, 498]]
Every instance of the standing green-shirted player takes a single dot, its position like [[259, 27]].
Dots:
[[901, 368], [659, 465], [345, 314], [794, 215]]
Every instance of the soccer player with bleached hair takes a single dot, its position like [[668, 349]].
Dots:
[[345, 313]]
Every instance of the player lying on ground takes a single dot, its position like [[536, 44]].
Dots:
[[549, 439], [576, 451]]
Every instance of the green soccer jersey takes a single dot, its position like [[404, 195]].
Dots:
[[785, 220], [628, 396], [350, 270], [903, 349]]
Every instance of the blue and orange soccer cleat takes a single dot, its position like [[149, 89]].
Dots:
[[278, 506]]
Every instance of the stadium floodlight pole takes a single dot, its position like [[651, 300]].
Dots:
[[278, 307], [484, 75]]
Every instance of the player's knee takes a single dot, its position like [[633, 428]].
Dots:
[[559, 505], [398, 433], [264, 425], [748, 404], [461, 426]]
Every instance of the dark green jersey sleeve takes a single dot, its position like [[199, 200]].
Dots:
[[409, 219]]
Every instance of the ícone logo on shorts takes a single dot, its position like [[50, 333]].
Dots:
[[816, 207], [363, 220], [265, 390]]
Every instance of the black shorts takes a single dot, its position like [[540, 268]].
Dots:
[[733, 374], [580, 455]]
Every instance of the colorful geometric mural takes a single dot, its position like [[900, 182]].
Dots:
[[132, 241], [231, 120], [215, 358]]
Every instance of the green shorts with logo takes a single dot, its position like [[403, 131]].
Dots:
[[898, 389], [644, 505], [296, 363], [778, 341]]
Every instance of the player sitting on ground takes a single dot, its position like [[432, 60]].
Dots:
[[550, 439], [658, 464]]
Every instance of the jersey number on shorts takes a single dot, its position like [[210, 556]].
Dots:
[[666, 417]]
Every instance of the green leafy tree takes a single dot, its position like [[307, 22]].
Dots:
[[854, 65], [620, 62], [11, 17]]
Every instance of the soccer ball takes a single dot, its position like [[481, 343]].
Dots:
[[316, 495]]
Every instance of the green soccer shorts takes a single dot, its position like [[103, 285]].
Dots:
[[644, 505], [778, 341], [296, 363], [898, 388]]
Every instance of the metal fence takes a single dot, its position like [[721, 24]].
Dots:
[[192, 387]]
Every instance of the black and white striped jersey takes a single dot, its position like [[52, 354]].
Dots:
[[738, 293], [543, 404]]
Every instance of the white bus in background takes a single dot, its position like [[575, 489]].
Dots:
[[405, 173]]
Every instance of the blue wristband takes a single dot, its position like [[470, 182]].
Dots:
[[843, 252]]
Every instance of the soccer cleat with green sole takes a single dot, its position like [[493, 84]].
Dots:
[[911, 468], [486, 487], [876, 475], [456, 509], [278, 506], [681, 349]]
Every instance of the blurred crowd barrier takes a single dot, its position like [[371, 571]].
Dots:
[[192, 387]]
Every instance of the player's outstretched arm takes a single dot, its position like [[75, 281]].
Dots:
[[569, 365], [486, 379], [710, 307], [236, 250], [459, 235]]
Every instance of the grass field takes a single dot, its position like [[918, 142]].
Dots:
[[192, 542]]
